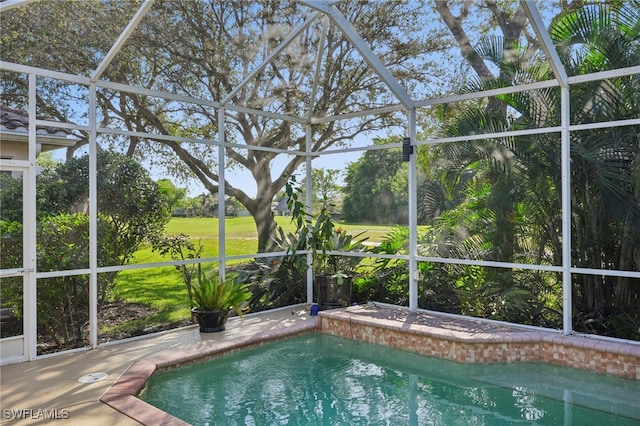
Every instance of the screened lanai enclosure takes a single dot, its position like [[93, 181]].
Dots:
[[488, 152]]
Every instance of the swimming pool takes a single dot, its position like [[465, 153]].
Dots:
[[322, 379]]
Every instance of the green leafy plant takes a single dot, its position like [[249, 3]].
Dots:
[[217, 294], [278, 282], [131, 212], [319, 235], [180, 248]]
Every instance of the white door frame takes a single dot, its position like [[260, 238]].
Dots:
[[23, 347]]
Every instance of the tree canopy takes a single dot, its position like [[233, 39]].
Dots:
[[501, 198], [376, 187], [209, 50], [131, 210]]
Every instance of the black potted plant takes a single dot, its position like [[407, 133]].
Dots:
[[333, 273], [211, 300], [215, 298]]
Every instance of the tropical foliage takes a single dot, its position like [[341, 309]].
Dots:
[[213, 49], [492, 199], [319, 235], [131, 210], [212, 293], [500, 198], [376, 187]]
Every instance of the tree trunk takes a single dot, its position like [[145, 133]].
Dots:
[[265, 224]]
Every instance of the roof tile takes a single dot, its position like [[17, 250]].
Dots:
[[17, 120]]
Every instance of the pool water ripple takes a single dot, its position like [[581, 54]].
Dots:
[[321, 379]]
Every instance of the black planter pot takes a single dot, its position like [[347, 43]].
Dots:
[[330, 293], [211, 321]]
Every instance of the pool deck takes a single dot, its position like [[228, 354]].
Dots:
[[49, 386]]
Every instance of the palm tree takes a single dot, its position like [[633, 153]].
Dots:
[[605, 162], [507, 191]]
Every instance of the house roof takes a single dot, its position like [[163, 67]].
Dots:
[[282, 205], [16, 120], [14, 134]]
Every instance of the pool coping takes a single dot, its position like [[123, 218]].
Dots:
[[469, 340], [462, 340]]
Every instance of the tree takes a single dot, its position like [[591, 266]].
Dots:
[[174, 197], [324, 183], [605, 163], [511, 192], [511, 20], [211, 48], [324, 189], [376, 187], [131, 210], [126, 195], [45, 160]]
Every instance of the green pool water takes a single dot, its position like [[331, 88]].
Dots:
[[317, 379]]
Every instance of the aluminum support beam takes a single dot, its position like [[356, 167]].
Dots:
[[367, 54], [122, 39], [222, 247], [565, 164], [270, 58], [316, 79], [308, 201], [565, 139], [93, 218], [413, 216], [30, 290], [546, 44], [10, 4]]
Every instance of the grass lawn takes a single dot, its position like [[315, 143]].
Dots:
[[163, 289], [160, 288], [241, 228]]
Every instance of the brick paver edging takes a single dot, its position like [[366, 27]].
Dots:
[[475, 341]]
